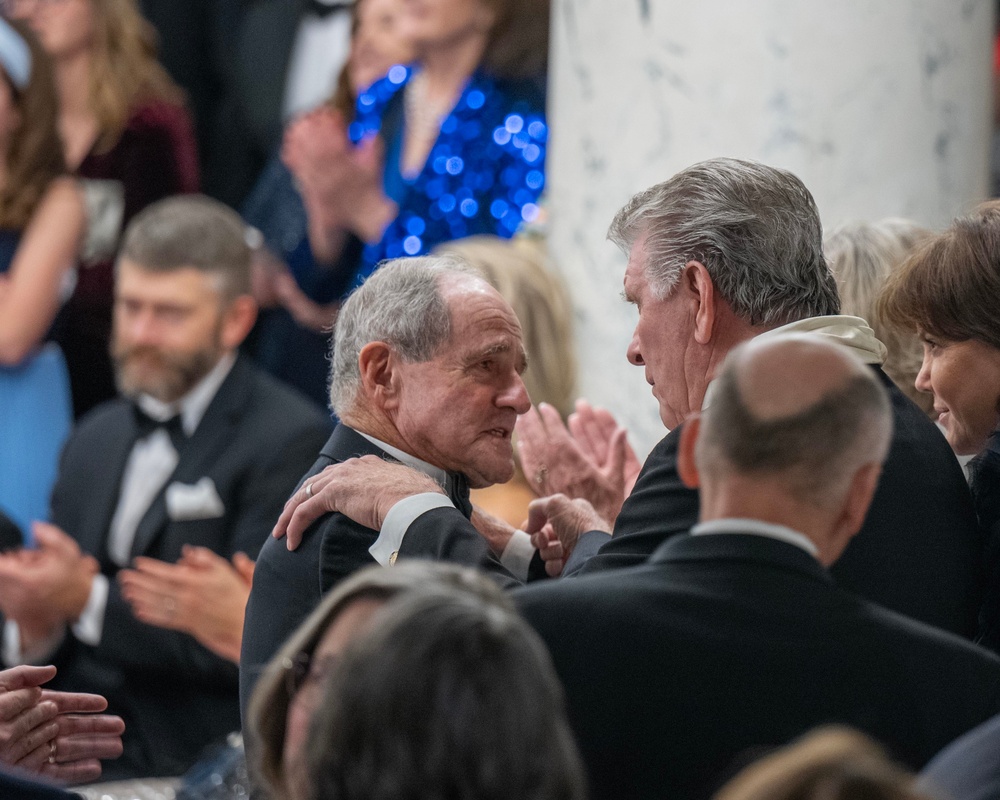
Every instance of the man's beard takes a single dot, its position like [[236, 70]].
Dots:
[[164, 376]]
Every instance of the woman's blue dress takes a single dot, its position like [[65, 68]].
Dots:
[[35, 418]]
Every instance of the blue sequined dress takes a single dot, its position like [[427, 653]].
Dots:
[[35, 418], [483, 175]]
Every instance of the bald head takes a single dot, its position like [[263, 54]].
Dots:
[[796, 410]]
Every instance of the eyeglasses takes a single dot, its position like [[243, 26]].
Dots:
[[303, 674], [296, 671]]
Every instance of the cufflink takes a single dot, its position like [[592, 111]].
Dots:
[[392, 558]]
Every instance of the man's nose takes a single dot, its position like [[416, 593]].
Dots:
[[516, 396], [633, 354], [142, 328]]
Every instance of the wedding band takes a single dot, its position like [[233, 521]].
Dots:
[[52, 752], [309, 490]]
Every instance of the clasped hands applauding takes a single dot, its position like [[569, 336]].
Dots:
[[340, 183], [60, 735]]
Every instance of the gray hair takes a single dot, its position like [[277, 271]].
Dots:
[[401, 304], [754, 227], [191, 231], [816, 450]]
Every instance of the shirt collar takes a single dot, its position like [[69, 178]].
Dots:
[[756, 527], [194, 404], [439, 475]]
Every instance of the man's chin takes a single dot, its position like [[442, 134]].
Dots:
[[488, 475]]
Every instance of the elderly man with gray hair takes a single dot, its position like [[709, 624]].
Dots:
[[733, 638], [427, 363]]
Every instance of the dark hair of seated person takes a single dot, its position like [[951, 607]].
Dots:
[[446, 696]]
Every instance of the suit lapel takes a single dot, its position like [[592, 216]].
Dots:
[[213, 434], [104, 485]]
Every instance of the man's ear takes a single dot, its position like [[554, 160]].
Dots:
[[377, 364], [854, 509], [687, 467], [699, 283], [237, 321]]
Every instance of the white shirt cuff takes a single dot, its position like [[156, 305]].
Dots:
[[89, 628], [398, 521], [517, 555], [40, 654]]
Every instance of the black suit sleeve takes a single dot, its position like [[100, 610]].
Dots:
[[660, 506], [444, 534]]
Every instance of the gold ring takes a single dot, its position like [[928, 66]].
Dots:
[[52, 752], [309, 490]]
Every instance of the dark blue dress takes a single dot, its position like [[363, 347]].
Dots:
[[35, 418]]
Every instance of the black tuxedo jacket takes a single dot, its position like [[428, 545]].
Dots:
[[724, 644], [175, 696], [288, 585], [919, 552]]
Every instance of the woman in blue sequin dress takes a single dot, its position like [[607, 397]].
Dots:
[[448, 148], [41, 222]]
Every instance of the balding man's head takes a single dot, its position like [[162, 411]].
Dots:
[[797, 411]]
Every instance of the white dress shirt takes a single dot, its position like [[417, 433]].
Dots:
[[150, 464], [318, 54], [516, 556]]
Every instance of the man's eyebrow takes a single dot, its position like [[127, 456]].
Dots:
[[624, 295]]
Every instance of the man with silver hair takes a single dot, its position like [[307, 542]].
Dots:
[[723, 252], [427, 364], [733, 638]]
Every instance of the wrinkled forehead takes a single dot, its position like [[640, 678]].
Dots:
[[479, 314]]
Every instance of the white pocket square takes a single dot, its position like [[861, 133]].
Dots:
[[200, 500]]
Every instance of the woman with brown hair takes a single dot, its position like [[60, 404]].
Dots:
[[947, 292], [289, 692], [126, 133], [41, 222]]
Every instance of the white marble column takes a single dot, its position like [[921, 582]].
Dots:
[[882, 107]]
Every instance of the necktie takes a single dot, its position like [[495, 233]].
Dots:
[[320, 9], [146, 425]]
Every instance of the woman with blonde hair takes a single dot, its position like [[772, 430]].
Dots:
[[126, 133], [862, 256], [41, 222]]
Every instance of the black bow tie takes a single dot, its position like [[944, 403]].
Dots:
[[147, 425], [320, 9]]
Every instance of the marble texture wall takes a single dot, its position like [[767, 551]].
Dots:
[[882, 107]]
